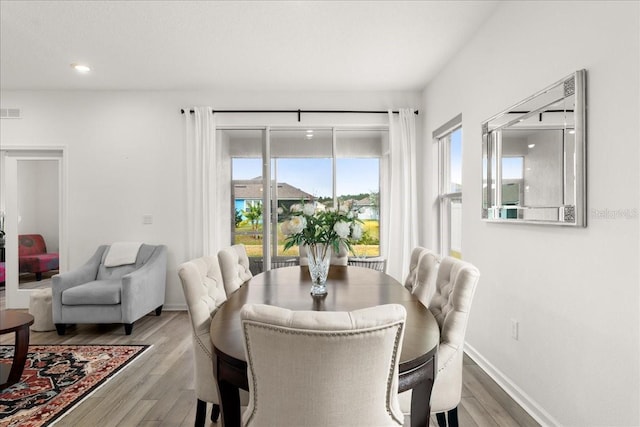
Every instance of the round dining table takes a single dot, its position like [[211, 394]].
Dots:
[[349, 288], [18, 322]]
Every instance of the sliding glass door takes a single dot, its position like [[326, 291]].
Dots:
[[357, 176], [332, 168]]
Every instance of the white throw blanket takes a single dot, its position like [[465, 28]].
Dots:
[[122, 253]]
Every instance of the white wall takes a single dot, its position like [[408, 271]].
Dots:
[[574, 290], [126, 159]]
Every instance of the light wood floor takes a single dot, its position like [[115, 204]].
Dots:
[[157, 389]]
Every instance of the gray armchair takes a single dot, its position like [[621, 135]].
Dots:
[[95, 293]]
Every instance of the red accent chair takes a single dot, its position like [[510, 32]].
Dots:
[[33, 256]]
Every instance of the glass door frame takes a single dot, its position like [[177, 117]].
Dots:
[[269, 203], [17, 298]]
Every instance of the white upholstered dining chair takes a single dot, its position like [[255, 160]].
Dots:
[[204, 293], [256, 264], [425, 276], [450, 304], [320, 368], [377, 263], [234, 265], [411, 278]]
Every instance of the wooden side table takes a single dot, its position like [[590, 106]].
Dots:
[[18, 322]]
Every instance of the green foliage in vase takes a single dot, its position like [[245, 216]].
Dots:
[[308, 225]]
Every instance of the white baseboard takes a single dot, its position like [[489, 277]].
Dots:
[[515, 392], [174, 307]]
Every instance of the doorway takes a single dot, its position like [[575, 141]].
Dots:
[[327, 166], [32, 201]]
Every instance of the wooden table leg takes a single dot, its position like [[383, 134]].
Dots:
[[19, 356], [421, 397], [229, 394], [420, 407], [230, 404]]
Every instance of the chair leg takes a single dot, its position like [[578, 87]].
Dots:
[[158, 311], [128, 328], [61, 328], [452, 415], [215, 412], [442, 419], [38, 277], [201, 413]]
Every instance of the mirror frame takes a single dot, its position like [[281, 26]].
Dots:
[[569, 214]]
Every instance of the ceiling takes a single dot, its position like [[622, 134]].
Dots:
[[232, 45]]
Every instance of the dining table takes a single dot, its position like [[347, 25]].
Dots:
[[349, 288], [17, 322]]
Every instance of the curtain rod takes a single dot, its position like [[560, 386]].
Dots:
[[298, 112]]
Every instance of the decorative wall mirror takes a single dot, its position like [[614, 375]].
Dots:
[[533, 158]]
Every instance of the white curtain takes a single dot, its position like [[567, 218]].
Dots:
[[400, 233], [201, 180]]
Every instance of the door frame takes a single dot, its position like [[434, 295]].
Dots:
[[17, 298], [269, 202]]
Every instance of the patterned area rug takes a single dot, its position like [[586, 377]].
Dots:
[[58, 377]]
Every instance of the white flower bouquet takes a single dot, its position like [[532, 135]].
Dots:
[[308, 225]]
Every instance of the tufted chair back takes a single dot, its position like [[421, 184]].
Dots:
[[342, 366], [416, 254], [234, 265], [450, 304], [426, 273], [204, 292], [341, 258]]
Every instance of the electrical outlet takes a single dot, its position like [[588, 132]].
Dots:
[[515, 326]]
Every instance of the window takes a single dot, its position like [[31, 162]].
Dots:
[[449, 139], [331, 167], [357, 178]]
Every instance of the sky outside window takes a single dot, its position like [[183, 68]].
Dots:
[[357, 176], [313, 175], [455, 153], [247, 168]]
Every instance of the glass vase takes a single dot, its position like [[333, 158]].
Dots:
[[319, 260]]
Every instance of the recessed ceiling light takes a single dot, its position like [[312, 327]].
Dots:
[[532, 145], [81, 68]]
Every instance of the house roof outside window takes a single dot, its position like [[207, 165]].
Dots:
[[250, 189]]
